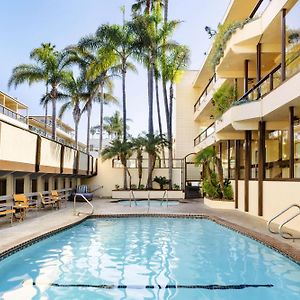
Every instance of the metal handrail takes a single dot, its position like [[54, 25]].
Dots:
[[131, 195], [287, 235], [86, 200], [278, 215], [163, 197]]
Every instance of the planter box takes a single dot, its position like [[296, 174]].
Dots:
[[154, 194], [216, 203]]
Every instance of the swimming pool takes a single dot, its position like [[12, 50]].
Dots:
[[148, 258], [152, 203]]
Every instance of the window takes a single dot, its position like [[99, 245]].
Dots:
[[46, 184], [19, 186], [34, 185], [3, 183], [55, 183]]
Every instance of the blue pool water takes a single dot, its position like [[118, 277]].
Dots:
[[153, 203], [140, 252]]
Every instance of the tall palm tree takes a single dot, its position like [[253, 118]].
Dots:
[[97, 67], [176, 60], [153, 145], [119, 40], [121, 150], [53, 67], [40, 54], [75, 93]]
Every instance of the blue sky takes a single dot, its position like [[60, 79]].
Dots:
[[26, 24]]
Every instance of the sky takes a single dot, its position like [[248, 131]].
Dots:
[[26, 24]]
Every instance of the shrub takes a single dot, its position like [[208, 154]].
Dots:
[[223, 98], [161, 180], [133, 187], [212, 189], [142, 187], [117, 186], [176, 186], [228, 192]]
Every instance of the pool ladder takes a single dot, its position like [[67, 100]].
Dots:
[[280, 231], [163, 197], [131, 196], [77, 213]]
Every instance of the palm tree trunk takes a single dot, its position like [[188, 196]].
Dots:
[[46, 110], [76, 135], [150, 99], [170, 137], [101, 121], [54, 119], [124, 104], [166, 11], [89, 111]]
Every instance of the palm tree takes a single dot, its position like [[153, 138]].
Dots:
[[75, 93], [53, 67], [40, 54], [176, 60], [138, 146], [153, 145], [97, 67], [121, 150], [119, 40]]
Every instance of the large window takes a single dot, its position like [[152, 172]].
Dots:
[[46, 184]]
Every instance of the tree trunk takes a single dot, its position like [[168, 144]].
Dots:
[[89, 111], [125, 170], [76, 118], [150, 99], [101, 120], [124, 104], [140, 167], [76, 135], [170, 137], [151, 165], [159, 117], [220, 174], [54, 118], [46, 110], [166, 11]]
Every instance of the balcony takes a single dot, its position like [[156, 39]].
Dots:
[[205, 134], [12, 114]]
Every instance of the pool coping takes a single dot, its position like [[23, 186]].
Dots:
[[283, 248]]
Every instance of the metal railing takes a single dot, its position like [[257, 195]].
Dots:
[[12, 114], [205, 92], [205, 134], [131, 196], [77, 213], [280, 231], [165, 195]]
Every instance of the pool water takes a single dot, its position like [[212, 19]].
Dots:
[[152, 203], [148, 258]]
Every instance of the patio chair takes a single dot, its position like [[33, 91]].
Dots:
[[47, 201], [81, 189], [22, 204], [6, 211], [55, 196]]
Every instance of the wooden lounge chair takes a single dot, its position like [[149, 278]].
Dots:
[[6, 211], [22, 204], [47, 201], [55, 196]]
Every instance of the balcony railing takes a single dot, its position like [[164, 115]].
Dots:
[[12, 114], [205, 134], [205, 92]]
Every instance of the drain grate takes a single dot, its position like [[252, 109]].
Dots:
[[169, 286]]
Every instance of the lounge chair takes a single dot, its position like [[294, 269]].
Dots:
[[7, 211], [55, 196], [81, 189], [48, 201], [22, 204]]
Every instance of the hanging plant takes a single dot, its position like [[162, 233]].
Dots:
[[223, 35]]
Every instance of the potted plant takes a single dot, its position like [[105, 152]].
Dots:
[[161, 180]]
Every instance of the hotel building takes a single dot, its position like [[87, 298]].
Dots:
[[30, 161], [256, 55]]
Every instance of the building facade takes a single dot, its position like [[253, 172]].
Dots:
[[255, 59], [30, 161]]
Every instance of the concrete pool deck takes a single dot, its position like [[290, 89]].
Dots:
[[49, 220]]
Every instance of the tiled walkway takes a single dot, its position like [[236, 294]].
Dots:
[[46, 220]]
